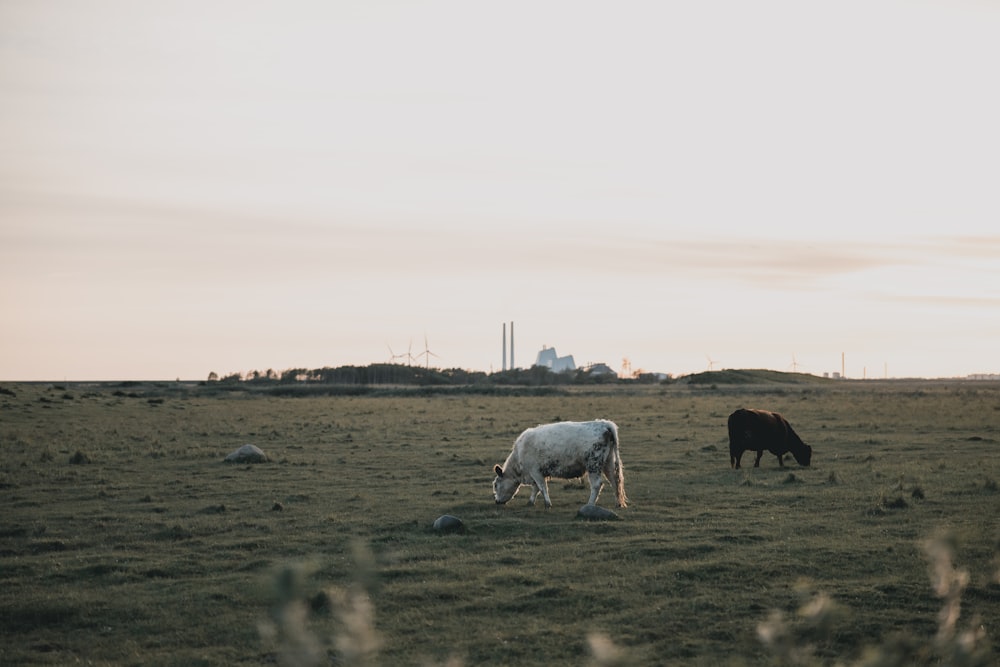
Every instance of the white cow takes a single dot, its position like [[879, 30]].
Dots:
[[564, 450]]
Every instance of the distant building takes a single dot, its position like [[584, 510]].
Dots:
[[548, 358], [601, 369]]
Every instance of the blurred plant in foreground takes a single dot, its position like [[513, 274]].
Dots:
[[805, 639], [954, 646], [294, 628], [793, 642]]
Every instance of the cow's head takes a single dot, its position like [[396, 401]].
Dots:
[[504, 488], [803, 454]]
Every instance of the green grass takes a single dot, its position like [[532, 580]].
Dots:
[[157, 553]]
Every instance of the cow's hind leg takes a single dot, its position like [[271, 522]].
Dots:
[[596, 482]]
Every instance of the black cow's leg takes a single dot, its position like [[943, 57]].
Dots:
[[756, 463], [781, 460]]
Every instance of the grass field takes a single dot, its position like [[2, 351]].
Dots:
[[126, 540]]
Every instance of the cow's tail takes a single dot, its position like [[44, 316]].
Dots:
[[619, 470]]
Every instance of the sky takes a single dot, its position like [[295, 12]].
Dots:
[[189, 187]]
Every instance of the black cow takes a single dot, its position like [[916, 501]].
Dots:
[[758, 430]]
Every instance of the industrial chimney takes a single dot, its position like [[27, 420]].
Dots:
[[504, 366], [512, 345]]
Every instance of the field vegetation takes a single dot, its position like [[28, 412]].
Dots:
[[127, 541]]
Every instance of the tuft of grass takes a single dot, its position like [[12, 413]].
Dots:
[[897, 503], [79, 458], [882, 503]]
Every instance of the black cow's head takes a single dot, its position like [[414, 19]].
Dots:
[[803, 454]]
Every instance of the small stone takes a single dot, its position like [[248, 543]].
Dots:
[[247, 454], [595, 513], [447, 523]]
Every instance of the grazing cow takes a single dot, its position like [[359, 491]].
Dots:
[[758, 430], [564, 450]]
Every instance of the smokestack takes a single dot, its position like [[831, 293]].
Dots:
[[512, 345], [504, 367]]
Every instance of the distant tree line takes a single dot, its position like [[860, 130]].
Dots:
[[401, 374]]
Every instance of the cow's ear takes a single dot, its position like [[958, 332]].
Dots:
[[498, 470]]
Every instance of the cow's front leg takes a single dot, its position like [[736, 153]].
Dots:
[[756, 461], [596, 482], [545, 494], [532, 496], [541, 485], [781, 460]]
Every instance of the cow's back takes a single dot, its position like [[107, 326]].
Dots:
[[564, 440], [760, 423]]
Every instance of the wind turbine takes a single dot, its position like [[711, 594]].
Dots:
[[392, 355], [426, 354], [795, 364], [711, 363], [408, 355]]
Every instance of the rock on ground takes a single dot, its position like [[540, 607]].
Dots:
[[447, 523], [595, 513], [247, 454]]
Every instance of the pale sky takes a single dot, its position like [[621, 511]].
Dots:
[[212, 185]]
